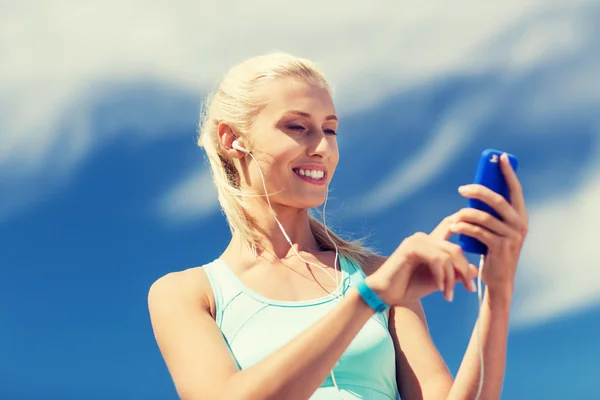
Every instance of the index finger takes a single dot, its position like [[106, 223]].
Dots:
[[443, 231], [514, 185]]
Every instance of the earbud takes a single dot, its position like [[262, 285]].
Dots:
[[236, 145]]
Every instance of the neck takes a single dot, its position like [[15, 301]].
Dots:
[[296, 224]]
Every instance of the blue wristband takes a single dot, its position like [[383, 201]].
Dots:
[[368, 295]]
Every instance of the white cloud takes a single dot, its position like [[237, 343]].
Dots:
[[543, 38], [53, 52], [454, 133], [559, 272], [54, 55], [194, 197], [557, 93]]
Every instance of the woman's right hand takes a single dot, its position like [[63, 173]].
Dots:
[[422, 264]]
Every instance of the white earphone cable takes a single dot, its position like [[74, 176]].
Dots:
[[478, 322], [335, 279], [339, 290]]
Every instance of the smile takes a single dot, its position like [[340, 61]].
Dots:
[[314, 176]]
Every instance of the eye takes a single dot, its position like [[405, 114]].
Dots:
[[296, 127], [330, 132]]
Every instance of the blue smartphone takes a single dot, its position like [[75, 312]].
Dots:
[[490, 175]]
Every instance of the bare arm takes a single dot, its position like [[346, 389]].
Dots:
[[202, 367], [504, 240], [199, 360], [424, 375], [422, 372], [494, 337]]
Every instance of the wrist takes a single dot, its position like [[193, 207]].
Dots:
[[362, 308], [370, 292], [499, 296], [376, 285]]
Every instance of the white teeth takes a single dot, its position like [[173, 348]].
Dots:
[[314, 174]]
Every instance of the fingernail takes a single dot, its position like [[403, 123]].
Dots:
[[451, 295], [504, 156], [472, 285], [474, 270], [462, 189]]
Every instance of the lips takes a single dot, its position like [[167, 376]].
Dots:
[[311, 175]]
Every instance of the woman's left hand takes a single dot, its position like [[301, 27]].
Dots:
[[504, 238]]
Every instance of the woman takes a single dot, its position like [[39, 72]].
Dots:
[[292, 311]]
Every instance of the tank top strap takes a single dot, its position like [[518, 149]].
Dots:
[[355, 268], [224, 286], [349, 265]]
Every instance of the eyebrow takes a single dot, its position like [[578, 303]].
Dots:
[[307, 115]]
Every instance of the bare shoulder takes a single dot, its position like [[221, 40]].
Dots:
[[189, 340], [189, 287]]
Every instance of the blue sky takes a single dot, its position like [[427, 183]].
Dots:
[[102, 189]]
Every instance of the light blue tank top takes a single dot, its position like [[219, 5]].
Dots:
[[254, 327]]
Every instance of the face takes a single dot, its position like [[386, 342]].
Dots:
[[294, 140]]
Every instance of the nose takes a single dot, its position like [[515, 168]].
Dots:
[[320, 145]]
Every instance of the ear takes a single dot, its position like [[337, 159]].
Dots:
[[226, 138]]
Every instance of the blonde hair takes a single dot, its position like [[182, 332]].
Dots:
[[237, 102]]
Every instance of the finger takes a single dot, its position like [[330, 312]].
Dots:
[[460, 264], [474, 270], [459, 260], [484, 219], [441, 260], [514, 185], [450, 277], [471, 285], [477, 232], [436, 266], [494, 200], [429, 256], [442, 231]]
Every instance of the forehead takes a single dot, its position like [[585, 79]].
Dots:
[[282, 95]]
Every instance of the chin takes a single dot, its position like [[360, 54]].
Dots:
[[307, 201]]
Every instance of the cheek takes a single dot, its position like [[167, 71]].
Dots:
[[275, 163]]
